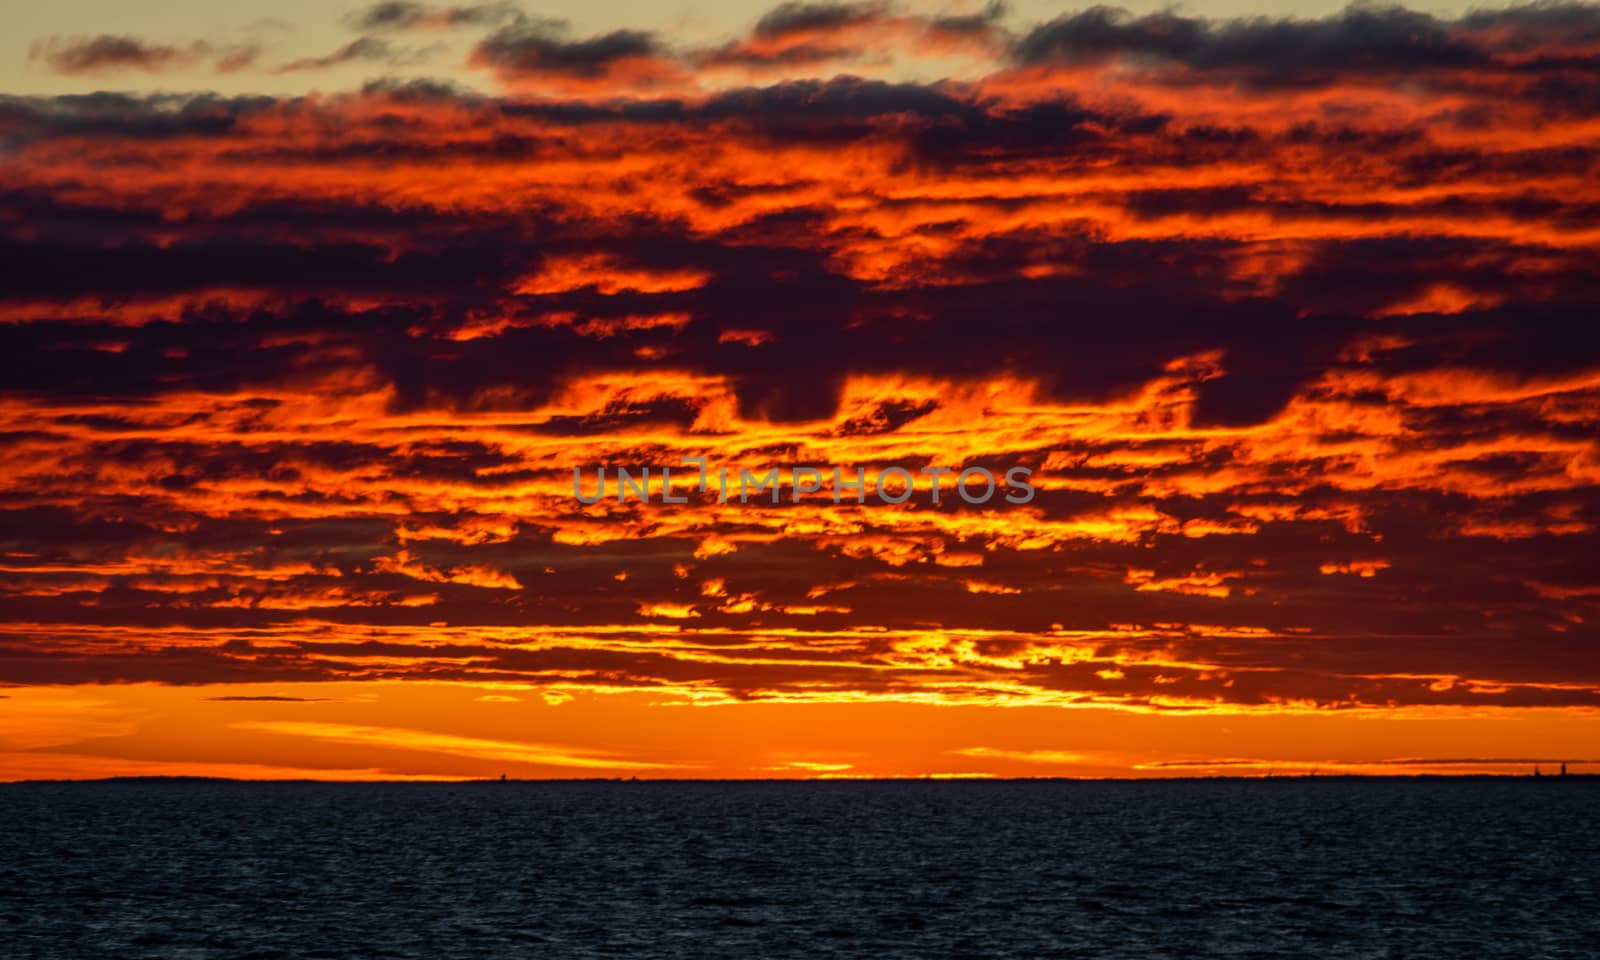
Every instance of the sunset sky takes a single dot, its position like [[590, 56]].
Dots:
[[309, 311]]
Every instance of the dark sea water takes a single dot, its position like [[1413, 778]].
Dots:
[[1458, 869]]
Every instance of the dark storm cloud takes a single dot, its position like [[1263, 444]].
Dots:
[[1361, 41], [360, 50], [105, 114], [532, 51], [790, 18], [405, 14], [812, 35], [1528, 25], [972, 24], [390, 14], [106, 52], [109, 53], [54, 271]]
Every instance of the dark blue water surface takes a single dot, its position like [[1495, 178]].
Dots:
[[1459, 869]]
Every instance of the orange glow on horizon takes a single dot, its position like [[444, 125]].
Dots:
[[303, 396]]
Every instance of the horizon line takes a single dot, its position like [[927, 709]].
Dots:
[[183, 778]]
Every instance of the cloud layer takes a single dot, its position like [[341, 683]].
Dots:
[[1291, 319]]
